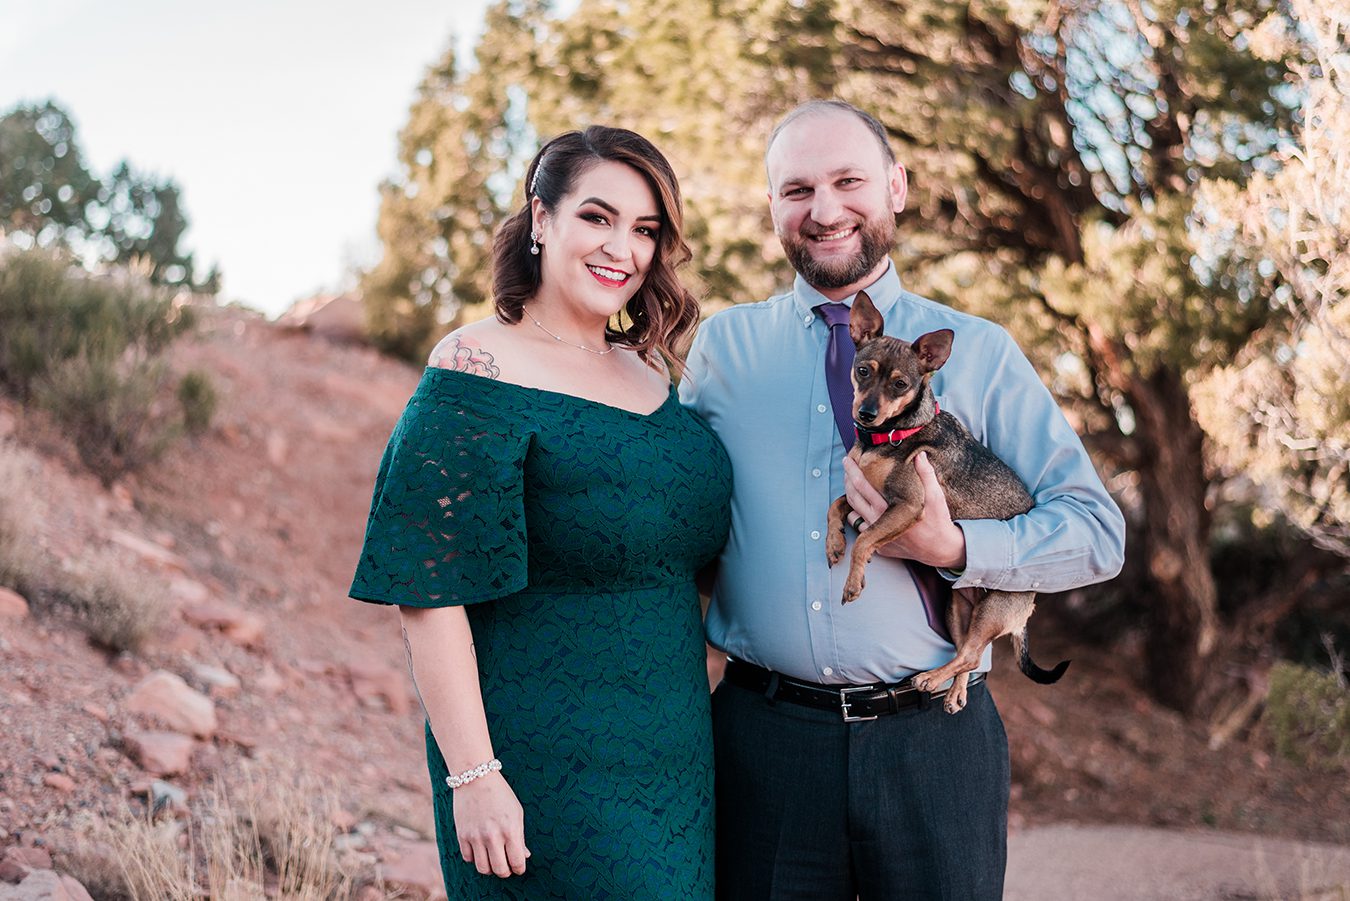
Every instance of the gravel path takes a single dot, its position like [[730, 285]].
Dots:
[[1115, 863]]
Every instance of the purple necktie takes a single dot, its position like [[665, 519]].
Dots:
[[934, 591], [839, 368]]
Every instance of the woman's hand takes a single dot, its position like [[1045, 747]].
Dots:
[[490, 824]]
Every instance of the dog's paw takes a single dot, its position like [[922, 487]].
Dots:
[[955, 701], [834, 546], [853, 587], [925, 681]]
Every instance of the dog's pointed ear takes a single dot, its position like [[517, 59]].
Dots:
[[864, 320], [934, 348]]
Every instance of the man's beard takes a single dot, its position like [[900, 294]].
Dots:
[[878, 237]]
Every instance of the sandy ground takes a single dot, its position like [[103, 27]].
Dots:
[[1115, 863]]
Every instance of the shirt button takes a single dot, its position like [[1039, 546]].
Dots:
[[816, 473], [815, 536], [1035, 584], [806, 320], [820, 408], [829, 671], [815, 605], [977, 581]]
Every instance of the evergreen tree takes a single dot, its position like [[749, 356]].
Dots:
[[47, 193], [44, 185], [1056, 150]]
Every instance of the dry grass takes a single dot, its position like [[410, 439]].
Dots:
[[117, 607], [21, 561], [266, 835]]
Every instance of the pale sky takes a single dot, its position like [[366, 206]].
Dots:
[[277, 118]]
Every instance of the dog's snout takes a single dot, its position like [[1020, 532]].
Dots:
[[867, 414]]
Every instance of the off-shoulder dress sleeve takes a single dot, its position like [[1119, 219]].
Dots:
[[447, 520]]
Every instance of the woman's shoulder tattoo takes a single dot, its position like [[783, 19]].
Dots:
[[453, 353]]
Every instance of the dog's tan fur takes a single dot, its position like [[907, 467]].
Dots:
[[977, 485]]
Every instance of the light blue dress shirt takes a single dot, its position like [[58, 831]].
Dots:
[[756, 373]]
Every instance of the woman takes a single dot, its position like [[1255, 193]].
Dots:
[[538, 517]]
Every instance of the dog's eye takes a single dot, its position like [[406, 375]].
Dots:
[[901, 385], [863, 372]]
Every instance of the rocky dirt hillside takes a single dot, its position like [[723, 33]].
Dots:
[[262, 665]]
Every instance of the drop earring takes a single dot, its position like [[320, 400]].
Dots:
[[534, 243]]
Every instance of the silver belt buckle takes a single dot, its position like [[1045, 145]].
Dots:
[[844, 705]]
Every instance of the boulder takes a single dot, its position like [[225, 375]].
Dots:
[[238, 625], [46, 885], [181, 707], [373, 683], [415, 869], [160, 753], [59, 781], [12, 605]]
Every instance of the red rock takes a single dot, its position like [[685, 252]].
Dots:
[[59, 781], [238, 625], [372, 682], [161, 753], [16, 862], [415, 867], [148, 550], [12, 605], [269, 681], [96, 712], [45, 885], [74, 889], [189, 591], [182, 708]]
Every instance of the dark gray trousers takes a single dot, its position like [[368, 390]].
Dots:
[[908, 806]]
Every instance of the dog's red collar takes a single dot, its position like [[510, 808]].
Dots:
[[894, 436]]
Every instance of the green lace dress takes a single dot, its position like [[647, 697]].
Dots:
[[571, 531]]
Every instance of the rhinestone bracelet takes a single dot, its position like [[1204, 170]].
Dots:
[[477, 772]]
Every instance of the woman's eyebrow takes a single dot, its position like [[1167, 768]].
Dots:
[[614, 212]]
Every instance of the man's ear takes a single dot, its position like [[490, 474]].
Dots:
[[864, 320], [899, 187]]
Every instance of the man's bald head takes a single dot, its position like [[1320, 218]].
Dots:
[[831, 107]]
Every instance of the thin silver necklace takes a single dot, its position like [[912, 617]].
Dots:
[[598, 353]]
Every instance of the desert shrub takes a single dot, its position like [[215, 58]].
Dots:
[[109, 409], [1308, 712], [197, 396], [51, 311], [117, 608], [259, 837], [20, 558]]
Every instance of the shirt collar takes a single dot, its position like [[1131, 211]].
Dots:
[[885, 291]]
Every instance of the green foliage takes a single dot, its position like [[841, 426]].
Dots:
[[1279, 413], [109, 409], [20, 562], [197, 396], [1308, 712], [86, 350], [51, 312], [44, 185], [47, 195]]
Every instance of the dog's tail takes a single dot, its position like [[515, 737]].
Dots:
[[1028, 666]]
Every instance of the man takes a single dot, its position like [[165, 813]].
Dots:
[[821, 796]]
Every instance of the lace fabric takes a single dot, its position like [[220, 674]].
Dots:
[[573, 530]]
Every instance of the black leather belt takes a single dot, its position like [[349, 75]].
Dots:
[[854, 702]]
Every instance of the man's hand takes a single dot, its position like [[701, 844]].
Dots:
[[934, 539]]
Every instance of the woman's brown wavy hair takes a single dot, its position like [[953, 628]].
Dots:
[[663, 313]]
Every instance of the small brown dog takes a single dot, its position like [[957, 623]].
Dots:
[[897, 418]]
